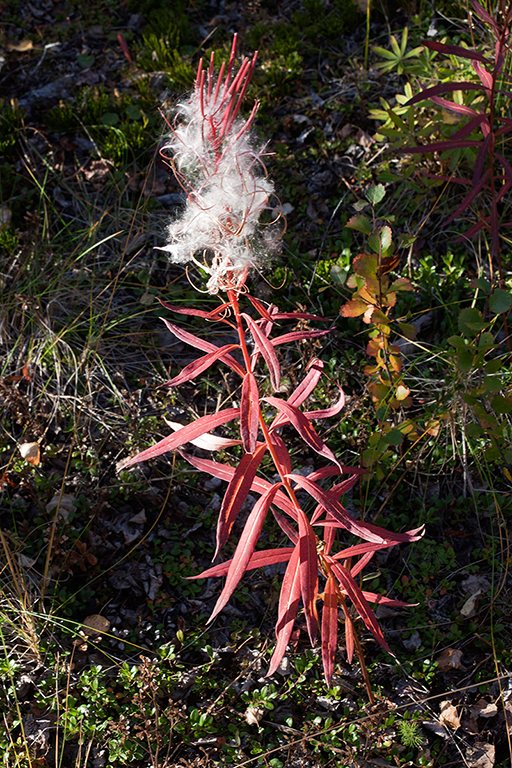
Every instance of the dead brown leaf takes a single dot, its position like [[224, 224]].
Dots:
[[449, 716], [450, 659], [480, 755], [95, 624]]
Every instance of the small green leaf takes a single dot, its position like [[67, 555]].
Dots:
[[338, 274], [465, 360], [481, 283], [375, 194], [474, 430], [109, 118], [500, 301], [493, 366], [394, 437], [133, 112], [380, 239], [360, 205], [365, 264], [361, 223], [501, 404], [469, 399], [470, 320], [408, 330], [85, 60], [457, 341], [493, 383]]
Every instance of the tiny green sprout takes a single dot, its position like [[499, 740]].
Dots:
[[410, 733]]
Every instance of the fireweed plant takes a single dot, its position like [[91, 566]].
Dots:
[[219, 166]]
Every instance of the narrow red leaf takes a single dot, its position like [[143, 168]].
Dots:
[[328, 413], [366, 531], [298, 316], [440, 146], [308, 574], [204, 346], [124, 47], [245, 547], [456, 50], [335, 492], [288, 606], [192, 370], [286, 527], [306, 430], [184, 435], [212, 315], [258, 560], [485, 16], [349, 634], [249, 412], [260, 308], [299, 336], [469, 198], [226, 472], [329, 628], [308, 383], [266, 349], [481, 156], [207, 441], [236, 493], [484, 75], [360, 604], [381, 600], [282, 453]]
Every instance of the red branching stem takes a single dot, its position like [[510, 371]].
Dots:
[[233, 297]]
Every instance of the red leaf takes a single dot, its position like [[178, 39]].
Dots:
[[204, 346], [184, 435], [456, 50], [440, 146], [308, 383], [207, 441], [349, 635], [245, 547], [226, 472], [327, 413], [260, 308], [266, 349], [308, 574], [236, 493], [198, 366], [329, 628], [298, 316], [469, 198], [301, 423], [381, 600], [258, 560], [288, 605], [299, 336], [366, 531], [281, 451], [484, 75], [124, 47], [286, 527], [437, 90], [249, 412], [360, 604], [212, 315], [485, 16]]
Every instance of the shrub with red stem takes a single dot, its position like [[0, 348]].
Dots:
[[216, 161]]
